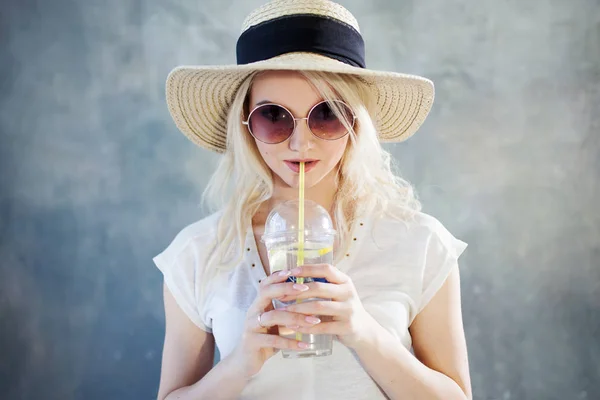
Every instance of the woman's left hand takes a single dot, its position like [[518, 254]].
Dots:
[[344, 315]]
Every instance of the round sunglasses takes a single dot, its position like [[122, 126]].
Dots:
[[273, 123]]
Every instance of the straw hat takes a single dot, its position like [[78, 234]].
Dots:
[[293, 35]]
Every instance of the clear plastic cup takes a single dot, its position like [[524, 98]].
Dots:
[[281, 239]]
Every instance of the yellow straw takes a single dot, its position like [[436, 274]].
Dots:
[[300, 258]]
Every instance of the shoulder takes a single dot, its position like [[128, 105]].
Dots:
[[417, 226], [431, 226], [418, 236], [201, 229], [197, 235], [420, 249]]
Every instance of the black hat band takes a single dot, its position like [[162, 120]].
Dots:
[[302, 33]]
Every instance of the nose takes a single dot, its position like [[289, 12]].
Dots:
[[302, 138]]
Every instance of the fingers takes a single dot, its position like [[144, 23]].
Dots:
[[320, 307], [327, 271], [281, 318], [331, 328], [337, 289], [278, 342], [324, 291], [273, 287]]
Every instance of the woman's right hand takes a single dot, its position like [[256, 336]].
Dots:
[[261, 341]]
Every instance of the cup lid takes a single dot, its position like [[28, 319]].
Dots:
[[283, 220]]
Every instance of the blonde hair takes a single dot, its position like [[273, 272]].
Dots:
[[365, 180]]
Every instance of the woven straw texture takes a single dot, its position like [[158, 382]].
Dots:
[[280, 8], [199, 97]]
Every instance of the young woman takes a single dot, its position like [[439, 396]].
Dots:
[[301, 92]]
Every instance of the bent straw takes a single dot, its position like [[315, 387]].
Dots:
[[300, 258]]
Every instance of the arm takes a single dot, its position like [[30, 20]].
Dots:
[[440, 369], [189, 351], [188, 358]]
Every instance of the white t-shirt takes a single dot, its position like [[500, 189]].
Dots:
[[396, 268]]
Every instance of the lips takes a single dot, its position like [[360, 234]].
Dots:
[[294, 165]]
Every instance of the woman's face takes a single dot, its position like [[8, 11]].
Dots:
[[291, 90]]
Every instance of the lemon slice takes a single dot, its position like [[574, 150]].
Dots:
[[278, 257], [277, 260], [325, 250]]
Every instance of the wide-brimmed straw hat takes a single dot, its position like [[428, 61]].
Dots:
[[317, 35]]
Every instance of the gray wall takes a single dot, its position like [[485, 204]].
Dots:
[[95, 180]]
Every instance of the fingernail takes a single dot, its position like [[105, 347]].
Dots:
[[283, 273], [300, 287], [303, 345], [312, 320], [296, 270], [292, 326]]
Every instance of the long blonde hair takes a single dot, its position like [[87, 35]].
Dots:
[[365, 180]]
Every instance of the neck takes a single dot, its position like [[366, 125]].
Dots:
[[323, 193]]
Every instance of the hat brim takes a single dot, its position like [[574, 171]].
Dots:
[[199, 97]]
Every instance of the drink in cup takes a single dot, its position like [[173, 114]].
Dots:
[[314, 245]]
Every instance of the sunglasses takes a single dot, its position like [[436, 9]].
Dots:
[[273, 123]]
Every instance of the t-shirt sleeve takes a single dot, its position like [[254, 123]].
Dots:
[[441, 256], [180, 265]]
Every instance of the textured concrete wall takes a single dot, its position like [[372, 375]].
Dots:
[[95, 180]]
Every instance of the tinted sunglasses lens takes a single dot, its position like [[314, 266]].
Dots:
[[325, 124], [271, 123]]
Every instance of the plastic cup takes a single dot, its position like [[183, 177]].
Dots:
[[281, 239]]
